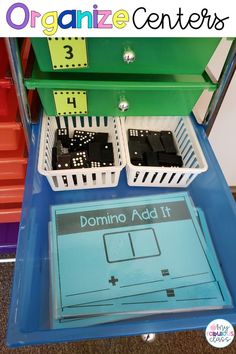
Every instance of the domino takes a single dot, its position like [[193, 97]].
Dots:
[[101, 138], [151, 159], [63, 136], [107, 153], [169, 160], [168, 142], [155, 143], [95, 152], [63, 162], [79, 159], [73, 145], [54, 158], [135, 151], [138, 135]]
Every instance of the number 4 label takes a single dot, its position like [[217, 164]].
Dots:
[[68, 53], [70, 102]]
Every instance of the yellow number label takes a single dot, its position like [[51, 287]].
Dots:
[[70, 102], [68, 53]]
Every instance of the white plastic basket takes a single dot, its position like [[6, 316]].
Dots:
[[186, 142], [87, 177]]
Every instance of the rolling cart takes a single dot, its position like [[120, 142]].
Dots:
[[29, 318]]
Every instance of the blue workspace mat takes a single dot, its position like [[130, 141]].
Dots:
[[170, 226]]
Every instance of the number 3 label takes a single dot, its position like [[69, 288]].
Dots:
[[68, 53], [70, 102]]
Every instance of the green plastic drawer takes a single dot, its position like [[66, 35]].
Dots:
[[102, 94], [106, 55]]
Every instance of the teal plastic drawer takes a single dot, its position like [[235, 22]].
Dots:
[[103, 94], [125, 55]]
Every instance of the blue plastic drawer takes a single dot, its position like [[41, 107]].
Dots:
[[29, 313]]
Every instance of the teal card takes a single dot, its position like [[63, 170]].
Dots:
[[211, 295], [119, 248]]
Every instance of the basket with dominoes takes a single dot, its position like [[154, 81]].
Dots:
[[81, 152], [161, 151]]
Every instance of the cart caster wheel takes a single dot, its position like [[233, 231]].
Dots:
[[148, 337]]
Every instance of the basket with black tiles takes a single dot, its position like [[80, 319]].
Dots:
[[161, 151], [81, 152]]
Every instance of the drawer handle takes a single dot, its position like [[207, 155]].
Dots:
[[129, 56], [123, 106]]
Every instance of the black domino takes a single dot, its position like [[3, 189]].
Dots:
[[63, 136], [155, 143], [169, 160], [73, 145], [107, 153], [138, 135], [63, 162], [79, 159], [168, 142], [101, 138], [95, 152], [151, 159], [54, 158], [135, 151]]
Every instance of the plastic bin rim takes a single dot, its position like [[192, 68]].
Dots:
[[104, 82], [18, 160], [104, 85], [10, 125], [6, 83]]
